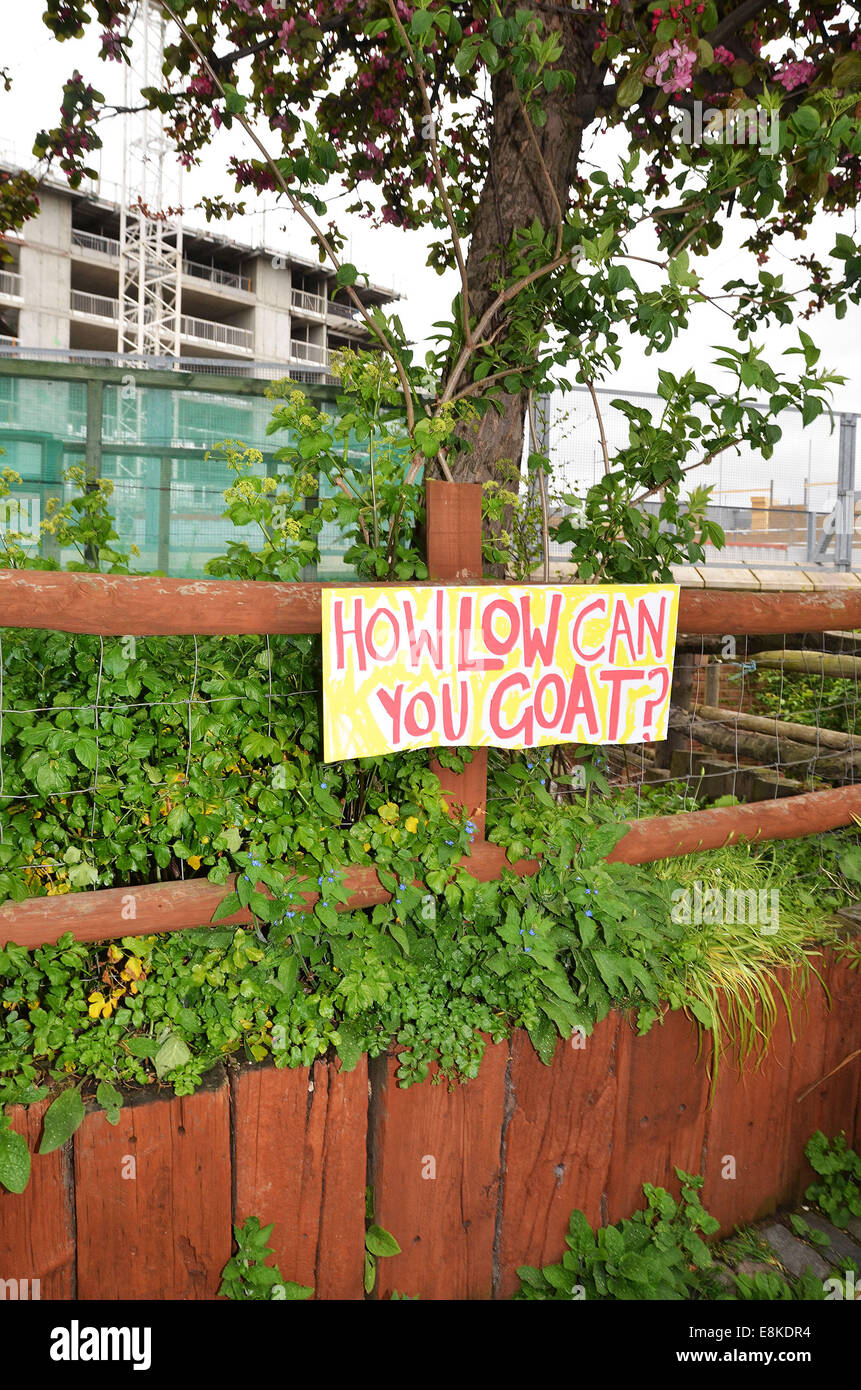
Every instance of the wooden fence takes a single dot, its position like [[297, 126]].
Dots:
[[134, 606], [472, 1182], [144, 1209]]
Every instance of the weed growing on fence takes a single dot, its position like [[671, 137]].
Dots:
[[658, 1254], [838, 1191], [247, 1277]]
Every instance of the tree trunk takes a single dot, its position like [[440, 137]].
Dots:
[[516, 192]]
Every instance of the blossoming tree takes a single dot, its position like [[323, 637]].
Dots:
[[474, 118]]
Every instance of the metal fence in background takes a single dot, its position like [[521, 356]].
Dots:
[[797, 507]]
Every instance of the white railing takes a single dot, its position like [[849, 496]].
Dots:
[[311, 303], [215, 276], [91, 241], [308, 352], [98, 306], [6, 341], [224, 334], [10, 284]]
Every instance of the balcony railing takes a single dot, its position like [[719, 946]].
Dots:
[[91, 241], [10, 284], [310, 303], [98, 306], [343, 311], [217, 277], [308, 352], [224, 334], [6, 341]]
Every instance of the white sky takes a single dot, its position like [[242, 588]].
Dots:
[[39, 65]]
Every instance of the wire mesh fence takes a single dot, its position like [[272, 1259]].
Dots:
[[154, 756]]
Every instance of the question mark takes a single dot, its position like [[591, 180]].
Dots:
[[652, 704]]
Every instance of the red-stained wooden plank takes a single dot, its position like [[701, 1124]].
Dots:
[[813, 1103], [837, 1091], [37, 1226], [746, 1126], [300, 1162], [660, 1112], [435, 1172], [165, 1232], [162, 907], [557, 1146], [143, 605], [454, 555]]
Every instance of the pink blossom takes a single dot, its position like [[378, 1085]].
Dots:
[[723, 56], [111, 47], [683, 73], [200, 85], [285, 31], [797, 74]]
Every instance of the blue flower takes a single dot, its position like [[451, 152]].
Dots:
[[257, 862], [527, 948], [319, 880], [247, 879], [589, 912], [531, 931], [587, 890], [323, 785]]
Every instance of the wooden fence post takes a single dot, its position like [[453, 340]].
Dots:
[[454, 555]]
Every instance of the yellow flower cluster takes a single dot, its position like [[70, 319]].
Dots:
[[103, 1002]]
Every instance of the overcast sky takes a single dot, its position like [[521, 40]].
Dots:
[[39, 64]]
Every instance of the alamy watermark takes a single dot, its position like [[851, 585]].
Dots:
[[707, 125], [20, 517], [708, 904]]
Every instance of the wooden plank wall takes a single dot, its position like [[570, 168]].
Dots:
[[472, 1181]]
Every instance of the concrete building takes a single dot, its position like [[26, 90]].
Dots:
[[239, 303]]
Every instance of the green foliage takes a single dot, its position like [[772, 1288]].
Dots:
[[657, 1254], [838, 1192], [62, 1118], [379, 1243], [247, 1277]]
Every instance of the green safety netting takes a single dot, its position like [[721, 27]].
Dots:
[[168, 496]]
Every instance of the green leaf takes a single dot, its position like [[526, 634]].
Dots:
[[61, 1120], [630, 90], [172, 1053], [14, 1161], [381, 1242], [347, 274], [112, 1100], [87, 752], [370, 1273], [234, 102]]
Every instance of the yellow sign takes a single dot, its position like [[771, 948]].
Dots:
[[511, 667]]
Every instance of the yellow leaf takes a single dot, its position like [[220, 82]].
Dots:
[[412, 824]]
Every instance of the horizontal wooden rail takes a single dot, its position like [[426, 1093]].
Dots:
[[162, 907], [145, 605]]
